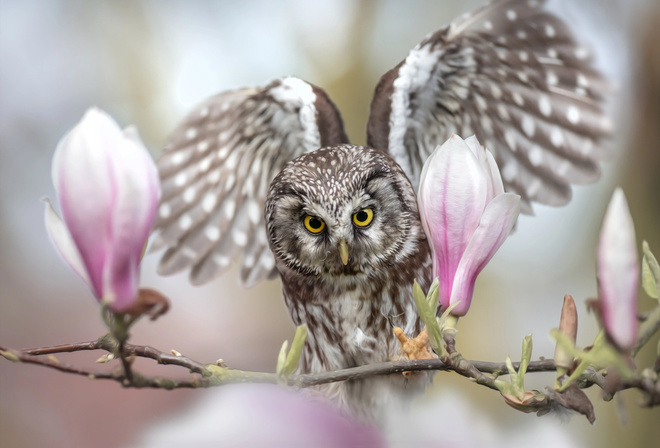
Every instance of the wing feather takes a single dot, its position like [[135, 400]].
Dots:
[[216, 169], [512, 74]]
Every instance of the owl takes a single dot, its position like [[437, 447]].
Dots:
[[343, 225], [268, 173]]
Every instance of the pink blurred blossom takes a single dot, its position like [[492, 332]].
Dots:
[[466, 216], [618, 273], [108, 189], [262, 415]]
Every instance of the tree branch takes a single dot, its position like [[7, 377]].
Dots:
[[108, 344], [66, 348], [208, 375]]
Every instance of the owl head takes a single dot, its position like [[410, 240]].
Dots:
[[344, 210]]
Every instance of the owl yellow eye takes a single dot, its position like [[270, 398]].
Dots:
[[364, 217], [314, 224]]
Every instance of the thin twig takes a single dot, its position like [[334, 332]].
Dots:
[[467, 368], [590, 376], [208, 375], [51, 362], [138, 381], [146, 351], [66, 348], [125, 362], [108, 344]]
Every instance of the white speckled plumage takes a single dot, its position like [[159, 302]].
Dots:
[[350, 308]]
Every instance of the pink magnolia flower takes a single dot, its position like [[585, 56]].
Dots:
[[262, 415], [466, 216], [108, 189], [618, 273]]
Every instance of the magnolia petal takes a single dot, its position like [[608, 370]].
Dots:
[[480, 153], [473, 143], [131, 133], [83, 178], [494, 175], [263, 415], [108, 188], [61, 239], [495, 226], [452, 197], [490, 169], [136, 202], [618, 273]]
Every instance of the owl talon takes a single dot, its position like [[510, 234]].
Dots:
[[414, 348]]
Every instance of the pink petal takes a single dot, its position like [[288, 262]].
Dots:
[[496, 184], [108, 189], [61, 239], [83, 178], [618, 273], [487, 162], [263, 415], [495, 226], [452, 197], [131, 133], [137, 197]]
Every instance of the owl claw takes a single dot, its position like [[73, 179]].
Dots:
[[414, 348]]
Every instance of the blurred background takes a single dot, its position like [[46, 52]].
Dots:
[[148, 62]]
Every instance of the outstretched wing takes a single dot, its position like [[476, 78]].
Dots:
[[513, 75], [217, 168]]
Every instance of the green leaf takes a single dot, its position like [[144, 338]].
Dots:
[[525, 359], [427, 307], [504, 387], [601, 355], [434, 295], [423, 308], [435, 336], [510, 368], [579, 370], [650, 273], [517, 380], [293, 357], [281, 358], [599, 339], [419, 296]]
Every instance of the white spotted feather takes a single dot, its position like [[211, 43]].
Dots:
[[215, 174], [513, 75]]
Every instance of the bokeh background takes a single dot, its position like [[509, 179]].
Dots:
[[148, 62]]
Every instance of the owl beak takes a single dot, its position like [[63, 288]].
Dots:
[[343, 251]]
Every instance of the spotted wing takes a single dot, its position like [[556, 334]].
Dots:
[[218, 165], [513, 75]]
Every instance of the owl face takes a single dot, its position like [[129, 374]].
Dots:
[[343, 210]]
